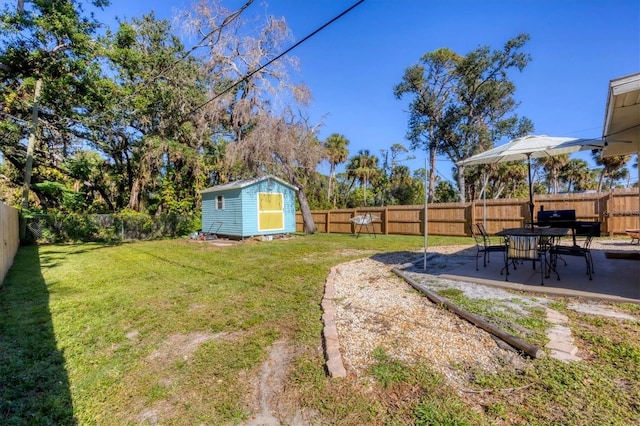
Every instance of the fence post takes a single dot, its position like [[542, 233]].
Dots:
[[327, 220], [608, 216], [471, 218], [385, 221], [353, 225]]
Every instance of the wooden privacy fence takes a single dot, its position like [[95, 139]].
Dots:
[[616, 210], [10, 236]]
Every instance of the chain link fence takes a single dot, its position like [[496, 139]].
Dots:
[[48, 228]]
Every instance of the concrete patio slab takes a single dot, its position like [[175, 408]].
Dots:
[[615, 279]]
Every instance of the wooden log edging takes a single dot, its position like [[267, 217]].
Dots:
[[529, 349], [335, 367]]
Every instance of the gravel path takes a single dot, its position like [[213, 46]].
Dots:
[[377, 309], [374, 308]]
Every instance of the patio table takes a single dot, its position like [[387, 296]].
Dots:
[[539, 231], [548, 238]]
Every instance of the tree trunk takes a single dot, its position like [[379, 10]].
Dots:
[[461, 184], [432, 174], [332, 172], [28, 166], [556, 184], [307, 217], [134, 198], [600, 180], [29, 160], [364, 194]]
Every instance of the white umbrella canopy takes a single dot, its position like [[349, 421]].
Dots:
[[532, 146]]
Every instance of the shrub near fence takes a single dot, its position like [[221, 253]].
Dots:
[[616, 210], [10, 236], [45, 228]]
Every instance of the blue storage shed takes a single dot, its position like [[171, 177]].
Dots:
[[261, 206]]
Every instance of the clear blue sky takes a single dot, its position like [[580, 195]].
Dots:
[[577, 46]]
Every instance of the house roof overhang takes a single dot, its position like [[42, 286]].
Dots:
[[621, 130]]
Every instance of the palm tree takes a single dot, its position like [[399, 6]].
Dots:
[[336, 153], [511, 178], [363, 167], [610, 165], [577, 175], [552, 165]]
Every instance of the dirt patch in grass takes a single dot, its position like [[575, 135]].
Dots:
[[181, 346], [269, 385], [270, 402], [176, 348]]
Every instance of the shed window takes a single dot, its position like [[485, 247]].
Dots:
[[270, 211], [220, 202]]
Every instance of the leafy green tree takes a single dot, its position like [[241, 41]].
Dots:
[[403, 188], [445, 193], [146, 126], [10, 192], [513, 178], [393, 175], [92, 177], [343, 189], [315, 187], [431, 84], [47, 72], [502, 180], [482, 111], [476, 178], [419, 177], [509, 180]]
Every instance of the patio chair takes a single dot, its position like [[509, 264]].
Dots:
[[580, 250], [634, 234], [521, 247], [484, 244], [365, 220]]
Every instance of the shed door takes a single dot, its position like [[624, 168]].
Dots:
[[270, 211]]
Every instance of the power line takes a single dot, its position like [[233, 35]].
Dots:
[[250, 74], [228, 20]]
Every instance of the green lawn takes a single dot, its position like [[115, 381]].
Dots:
[[175, 332]]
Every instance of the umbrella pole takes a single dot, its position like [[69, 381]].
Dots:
[[426, 215], [530, 190]]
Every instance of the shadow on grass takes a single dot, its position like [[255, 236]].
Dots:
[[34, 384], [55, 257], [462, 255]]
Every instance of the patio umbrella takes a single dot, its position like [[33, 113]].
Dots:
[[528, 147]]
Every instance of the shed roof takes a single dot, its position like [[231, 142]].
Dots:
[[239, 184]]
